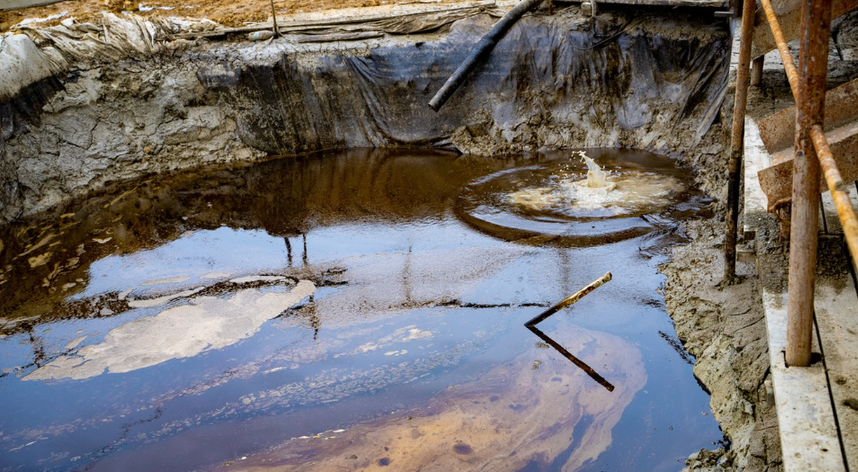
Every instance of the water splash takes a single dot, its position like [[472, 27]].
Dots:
[[600, 194], [596, 177], [587, 198]]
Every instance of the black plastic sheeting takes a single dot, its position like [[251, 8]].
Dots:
[[624, 79]]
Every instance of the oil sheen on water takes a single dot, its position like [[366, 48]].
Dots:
[[357, 310]]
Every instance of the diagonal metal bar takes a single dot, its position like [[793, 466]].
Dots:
[[837, 187], [569, 300], [783, 49]]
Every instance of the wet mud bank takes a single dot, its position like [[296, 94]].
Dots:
[[628, 79], [723, 327]]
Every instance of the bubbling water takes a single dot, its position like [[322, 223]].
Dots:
[[557, 200], [621, 193]]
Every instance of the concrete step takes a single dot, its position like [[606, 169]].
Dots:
[[841, 130]]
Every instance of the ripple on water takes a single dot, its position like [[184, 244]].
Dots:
[[553, 203]]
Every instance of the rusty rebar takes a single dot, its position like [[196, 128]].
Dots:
[[783, 49], [842, 202], [734, 165], [274, 20], [804, 226], [569, 300]]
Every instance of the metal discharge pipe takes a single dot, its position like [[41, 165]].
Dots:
[[480, 51]]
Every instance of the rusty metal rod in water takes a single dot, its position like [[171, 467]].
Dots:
[[569, 300], [783, 49], [734, 165], [480, 51], [842, 202]]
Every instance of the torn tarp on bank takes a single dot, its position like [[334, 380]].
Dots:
[[635, 80]]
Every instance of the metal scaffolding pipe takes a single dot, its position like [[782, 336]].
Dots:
[[783, 49], [842, 202], [736, 142], [813, 67], [480, 51]]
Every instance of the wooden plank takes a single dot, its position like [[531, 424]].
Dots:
[[789, 17], [403, 19], [776, 181], [841, 107], [673, 3]]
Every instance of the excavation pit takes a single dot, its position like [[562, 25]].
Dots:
[[191, 283]]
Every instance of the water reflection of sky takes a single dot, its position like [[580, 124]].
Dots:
[[198, 257], [422, 305], [192, 255]]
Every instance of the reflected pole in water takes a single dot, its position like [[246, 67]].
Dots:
[[304, 256], [531, 325], [578, 362]]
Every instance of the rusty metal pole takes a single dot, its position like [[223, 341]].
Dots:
[[757, 71], [813, 69], [737, 139], [570, 299], [783, 49], [839, 194], [274, 20]]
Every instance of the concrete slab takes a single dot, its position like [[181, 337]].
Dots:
[[814, 417], [836, 310], [756, 158], [808, 432]]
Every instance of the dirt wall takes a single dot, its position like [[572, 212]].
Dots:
[[555, 81]]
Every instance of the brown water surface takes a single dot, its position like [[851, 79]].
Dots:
[[353, 310]]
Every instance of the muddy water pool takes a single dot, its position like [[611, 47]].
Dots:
[[355, 310]]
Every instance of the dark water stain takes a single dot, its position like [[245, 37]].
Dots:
[[411, 299]]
